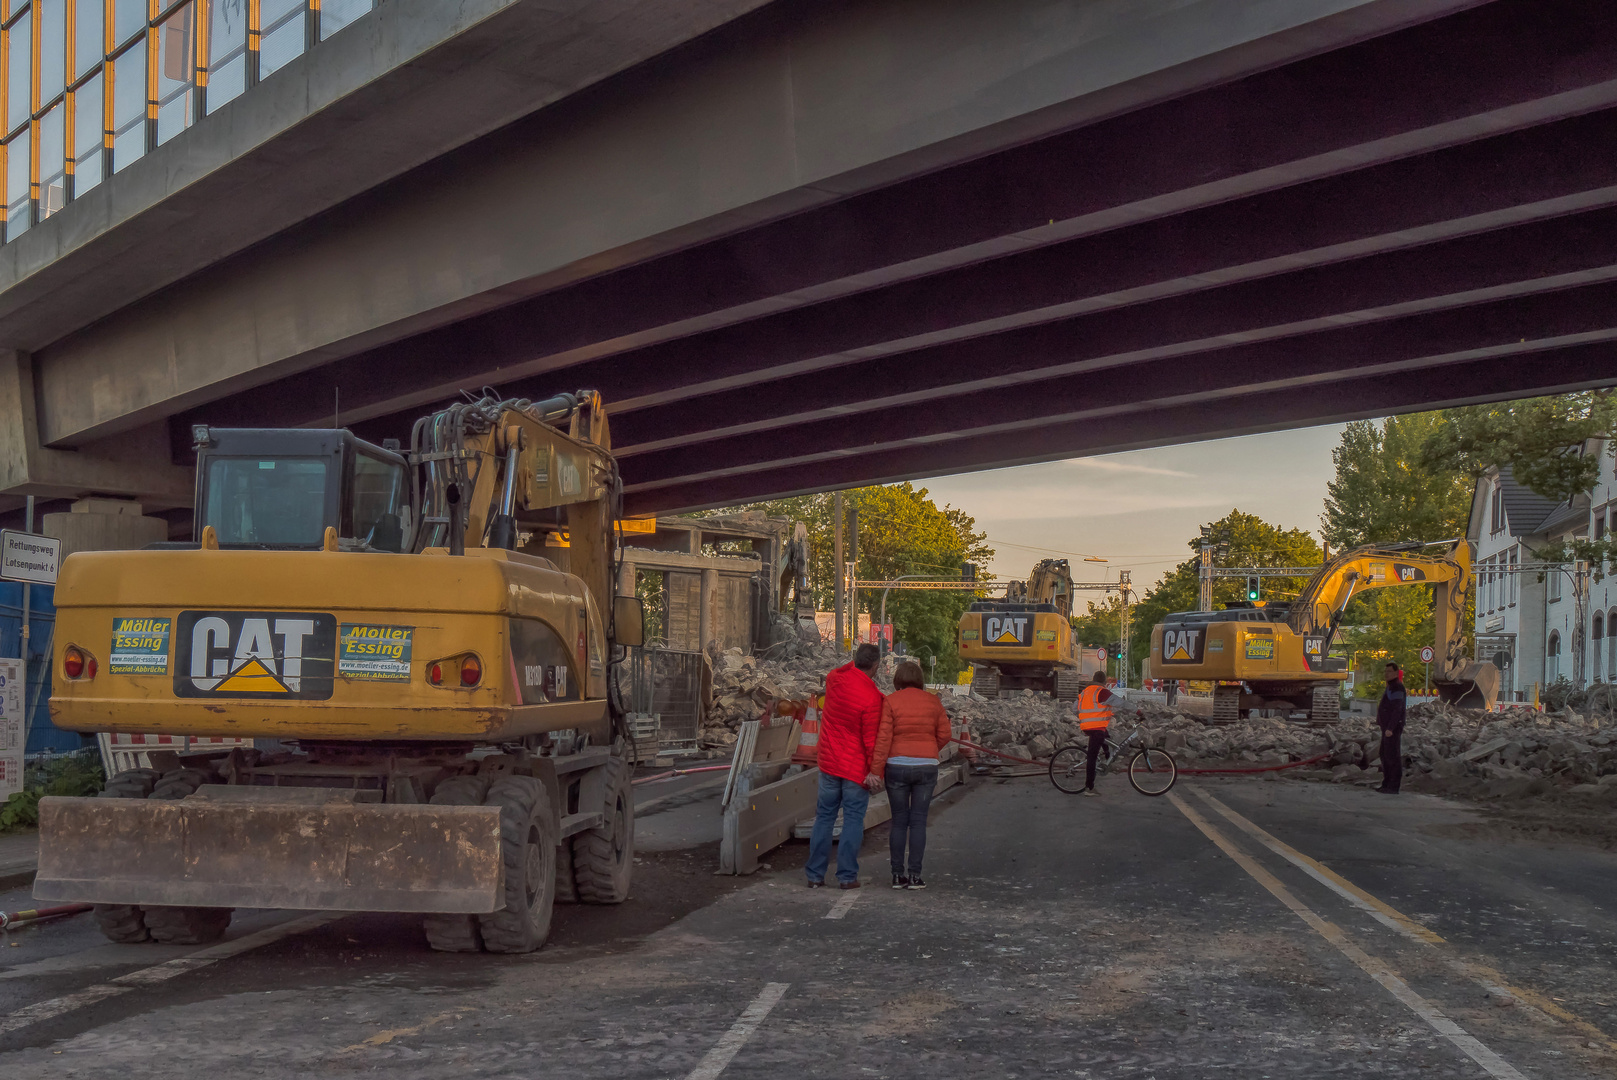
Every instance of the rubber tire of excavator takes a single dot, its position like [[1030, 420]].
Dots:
[[603, 858], [125, 924], [456, 932], [566, 880], [528, 836], [1226, 704], [184, 925]]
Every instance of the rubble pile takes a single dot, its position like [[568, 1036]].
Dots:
[[1517, 752], [743, 685]]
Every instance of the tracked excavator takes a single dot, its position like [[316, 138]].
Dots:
[[1278, 656], [440, 702], [1025, 641]]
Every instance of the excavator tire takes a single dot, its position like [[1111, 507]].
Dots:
[[985, 682], [603, 858], [126, 923], [456, 932], [566, 878], [1069, 684], [1226, 704], [528, 845], [1327, 703], [184, 925]]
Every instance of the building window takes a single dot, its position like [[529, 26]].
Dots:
[[1595, 647], [1510, 559], [89, 80], [1554, 585], [1600, 524], [1611, 644], [1552, 658], [1496, 509]]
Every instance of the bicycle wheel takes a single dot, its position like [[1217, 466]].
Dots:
[[1067, 769], [1152, 771]]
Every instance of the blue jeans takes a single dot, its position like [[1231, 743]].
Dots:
[[909, 793], [852, 799]]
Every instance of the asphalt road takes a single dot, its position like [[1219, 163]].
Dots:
[[1278, 929]]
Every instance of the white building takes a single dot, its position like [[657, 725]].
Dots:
[[1563, 626]]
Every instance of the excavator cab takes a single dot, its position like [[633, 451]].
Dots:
[[277, 489]]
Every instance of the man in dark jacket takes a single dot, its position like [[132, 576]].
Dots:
[[1390, 719], [848, 725]]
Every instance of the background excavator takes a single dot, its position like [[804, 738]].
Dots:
[[1025, 641], [443, 700], [1278, 655]]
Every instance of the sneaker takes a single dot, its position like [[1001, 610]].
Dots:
[[900, 881], [1092, 793], [816, 884], [847, 884], [916, 883]]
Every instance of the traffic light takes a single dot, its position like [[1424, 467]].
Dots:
[[1252, 589], [968, 572]]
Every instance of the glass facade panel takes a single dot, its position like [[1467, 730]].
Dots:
[[147, 94], [89, 134], [128, 18], [19, 60], [89, 35], [18, 216], [176, 72], [227, 51], [52, 48], [128, 108], [336, 14], [281, 33], [53, 160]]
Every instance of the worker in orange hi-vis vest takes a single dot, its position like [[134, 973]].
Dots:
[[1094, 717]]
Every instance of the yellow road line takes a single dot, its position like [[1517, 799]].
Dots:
[[1487, 977], [1377, 969]]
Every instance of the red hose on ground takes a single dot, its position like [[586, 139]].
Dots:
[[1182, 771], [671, 773], [1260, 768], [9, 919]]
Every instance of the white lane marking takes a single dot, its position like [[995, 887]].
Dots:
[[1530, 1002], [134, 980], [1378, 970], [844, 902], [733, 1040]]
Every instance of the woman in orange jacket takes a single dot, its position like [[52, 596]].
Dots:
[[913, 732]]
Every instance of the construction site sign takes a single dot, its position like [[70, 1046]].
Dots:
[[12, 731], [29, 557]]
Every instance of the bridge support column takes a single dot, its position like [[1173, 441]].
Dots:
[[134, 465]]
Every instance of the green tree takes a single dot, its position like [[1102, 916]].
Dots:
[[901, 532], [1537, 437], [1252, 542], [1101, 626], [1388, 624], [1384, 492]]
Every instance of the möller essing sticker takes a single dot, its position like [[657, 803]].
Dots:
[[381, 653]]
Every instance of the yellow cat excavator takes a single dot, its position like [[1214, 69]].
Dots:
[[439, 691], [1025, 641], [1278, 655]]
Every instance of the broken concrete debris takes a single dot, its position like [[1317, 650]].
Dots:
[[1518, 751]]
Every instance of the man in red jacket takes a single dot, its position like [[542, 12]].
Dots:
[[848, 726]]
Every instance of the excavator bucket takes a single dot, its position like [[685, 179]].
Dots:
[[309, 848], [1477, 686]]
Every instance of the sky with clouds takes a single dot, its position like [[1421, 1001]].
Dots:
[[1139, 508]]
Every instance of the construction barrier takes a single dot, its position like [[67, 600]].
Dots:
[[123, 751]]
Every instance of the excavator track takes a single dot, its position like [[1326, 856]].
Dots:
[[985, 682], [1069, 684]]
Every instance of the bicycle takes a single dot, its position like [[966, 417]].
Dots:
[[1152, 770]]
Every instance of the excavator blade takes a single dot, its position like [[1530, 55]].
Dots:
[[1475, 687], [314, 849]]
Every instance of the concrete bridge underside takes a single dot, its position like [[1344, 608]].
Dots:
[[830, 244]]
